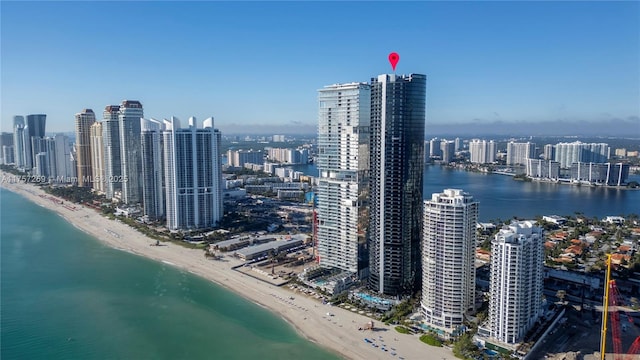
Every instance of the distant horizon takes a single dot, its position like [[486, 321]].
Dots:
[[619, 128]]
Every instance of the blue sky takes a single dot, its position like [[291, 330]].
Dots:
[[258, 65]]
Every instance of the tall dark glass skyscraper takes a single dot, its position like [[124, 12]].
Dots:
[[153, 199], [129, 117], [34, 129], [397, 165], [112, 153]]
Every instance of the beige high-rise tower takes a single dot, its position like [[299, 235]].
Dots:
[[97, 158], [84, 120]]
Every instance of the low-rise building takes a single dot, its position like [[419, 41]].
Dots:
[[554, 219]]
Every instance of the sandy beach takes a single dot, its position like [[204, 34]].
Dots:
[[338, 333]]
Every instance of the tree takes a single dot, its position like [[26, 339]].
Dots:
[[561, 295], [464, 348]]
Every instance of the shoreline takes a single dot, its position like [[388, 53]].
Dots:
[[338, 334]]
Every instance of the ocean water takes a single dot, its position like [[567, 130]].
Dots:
[[65, 295]]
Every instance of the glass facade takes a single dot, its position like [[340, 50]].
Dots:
[[112, 153], [130, 149], [396, 163], [343, 164], [152, 169]]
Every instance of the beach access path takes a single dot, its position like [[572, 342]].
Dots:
[[337, 332]]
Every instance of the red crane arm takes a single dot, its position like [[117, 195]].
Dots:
[[634, 349], [615, 320]]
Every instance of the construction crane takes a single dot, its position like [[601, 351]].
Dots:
[[612, 302]]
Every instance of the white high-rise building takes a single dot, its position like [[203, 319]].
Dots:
[[52, 164], [482, 151], [66, 171], [447, 151], [343, 164], [448, 253], [517, 260], [7, 154], [545, 169], [152, 169], [549, 152], [129, 116], [6, 140], [238, 158], [434, 148], [193, 175], [39, 153], [518, 153], [569, 153]]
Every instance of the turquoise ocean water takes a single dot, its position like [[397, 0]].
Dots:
[[65, 295]]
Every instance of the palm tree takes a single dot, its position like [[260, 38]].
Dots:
[[272, 257]]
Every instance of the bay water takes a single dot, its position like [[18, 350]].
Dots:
[[502, 197]]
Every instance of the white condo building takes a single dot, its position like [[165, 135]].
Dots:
[[238, 158], [544, 169], [66, 170], [343, 164], [518, 153], [482, 151], [517, 260], [569, 153], [549, 152], [448, 253], [6, 143], [434, 148], [193, 175], [447, 151]]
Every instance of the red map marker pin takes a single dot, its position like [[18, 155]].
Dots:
[[393, 59]]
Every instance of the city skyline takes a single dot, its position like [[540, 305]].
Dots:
[[553, 66]]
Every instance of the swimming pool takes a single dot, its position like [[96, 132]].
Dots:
[[373, 299]]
